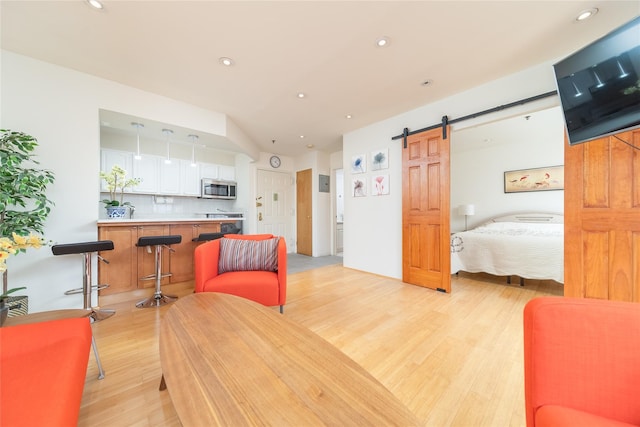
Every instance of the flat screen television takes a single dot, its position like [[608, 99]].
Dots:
[[599, 87]]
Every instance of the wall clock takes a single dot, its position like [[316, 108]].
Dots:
[[275, 161]]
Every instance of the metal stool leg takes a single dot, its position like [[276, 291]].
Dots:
[[158, 297], [95, 352], [96, 314]]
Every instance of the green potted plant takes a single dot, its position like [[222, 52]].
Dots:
[[117, 182], [24, 205]]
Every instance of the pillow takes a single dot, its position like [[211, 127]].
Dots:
[[249, 236], [248, 255]]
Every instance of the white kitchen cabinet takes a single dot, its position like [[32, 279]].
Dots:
[[226, 173], [156, 177], [208, 170], [146, 169], [190, 179], [110, 158], [170, 177]]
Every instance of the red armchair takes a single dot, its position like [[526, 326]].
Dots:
[[581, 362], [265, 287], [43, 367]]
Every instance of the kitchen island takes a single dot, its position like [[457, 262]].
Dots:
[[129, 263]]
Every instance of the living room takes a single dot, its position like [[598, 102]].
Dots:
[[61, 107]]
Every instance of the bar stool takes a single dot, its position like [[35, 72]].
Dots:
[[87, 249], [96, 314], [158, 298]]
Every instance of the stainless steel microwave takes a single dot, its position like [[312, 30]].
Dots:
[[216, 189]]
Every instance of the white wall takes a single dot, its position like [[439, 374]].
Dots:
[[60, 108], [373, 225]]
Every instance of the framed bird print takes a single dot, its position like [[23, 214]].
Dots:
[[537, 179]]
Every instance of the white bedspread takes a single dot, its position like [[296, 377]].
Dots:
[[529, 250]]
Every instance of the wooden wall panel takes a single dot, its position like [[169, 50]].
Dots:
[[635, 171], [596, 174], [596, 249], [414, 188], [602, 218], [433, 193]]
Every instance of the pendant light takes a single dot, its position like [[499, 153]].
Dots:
[[193, 150], [137, 126], [168, 133]]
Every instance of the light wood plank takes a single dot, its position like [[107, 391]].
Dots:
[[453, 359]]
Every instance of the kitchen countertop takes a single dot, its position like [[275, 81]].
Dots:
[[106, 221]]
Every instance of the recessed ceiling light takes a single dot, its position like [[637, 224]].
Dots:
[[96, 4], [309, 145], [586, 14], [348, 116], [301, 95], [382, 41], [301, 136], [227, 62]]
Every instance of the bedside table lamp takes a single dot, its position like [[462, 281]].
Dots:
[[466, 210]]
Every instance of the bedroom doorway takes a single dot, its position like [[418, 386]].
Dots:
[[425, 210]]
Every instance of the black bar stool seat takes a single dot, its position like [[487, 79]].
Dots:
[[205, 237], [80, 248], [159, 242]]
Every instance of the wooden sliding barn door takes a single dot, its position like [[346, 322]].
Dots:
[[602, 219], [426, 254]]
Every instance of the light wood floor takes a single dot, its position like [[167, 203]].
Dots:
[[453, 359]]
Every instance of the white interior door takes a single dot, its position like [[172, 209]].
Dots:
[[274, 204]]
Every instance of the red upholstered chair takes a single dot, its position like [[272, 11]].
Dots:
[[581, 362], [243, 253], [43, 367]]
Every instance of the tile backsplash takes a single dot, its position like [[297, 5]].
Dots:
[[152, 207]]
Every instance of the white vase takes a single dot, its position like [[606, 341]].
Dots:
[[116, 212]]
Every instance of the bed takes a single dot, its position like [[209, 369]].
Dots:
[[528, 245]]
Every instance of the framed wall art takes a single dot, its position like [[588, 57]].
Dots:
[[359, 163], [359, 187], [380, 185], [380, 159], [537, 179]]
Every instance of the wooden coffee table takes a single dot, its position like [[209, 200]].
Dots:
[[230, 361]]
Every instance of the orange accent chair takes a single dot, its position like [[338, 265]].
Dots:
[[43, 367], [581, 362], [265, 287]]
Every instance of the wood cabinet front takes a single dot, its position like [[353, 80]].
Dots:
[[122, 271], [128, 263]]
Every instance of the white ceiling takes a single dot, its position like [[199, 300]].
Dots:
[[325, 49]]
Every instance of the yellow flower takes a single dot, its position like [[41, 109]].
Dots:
[[20, 240], [16, 244], [34, 241], [7, 245]]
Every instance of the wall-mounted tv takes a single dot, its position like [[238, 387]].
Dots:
[[599, 87]]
